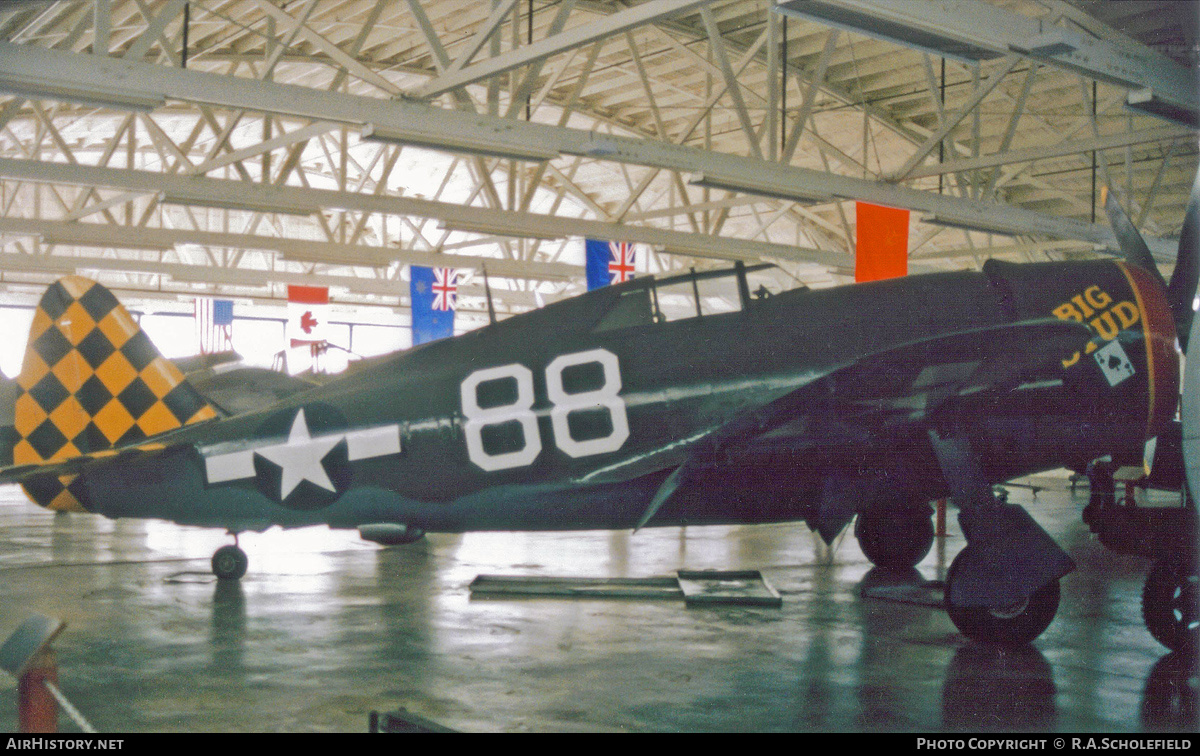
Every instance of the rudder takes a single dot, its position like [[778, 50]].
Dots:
[[91, 381]]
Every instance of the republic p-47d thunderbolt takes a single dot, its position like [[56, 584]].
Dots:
[[598, 413]]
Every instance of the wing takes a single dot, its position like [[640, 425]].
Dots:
[[904, 385]]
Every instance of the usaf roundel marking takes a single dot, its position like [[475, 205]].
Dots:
[[310, 468]]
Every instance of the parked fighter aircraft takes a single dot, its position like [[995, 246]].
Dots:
[[597, 412]]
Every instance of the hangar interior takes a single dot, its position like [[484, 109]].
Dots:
[[176, 150]]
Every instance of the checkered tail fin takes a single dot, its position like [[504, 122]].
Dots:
[[91, 381]]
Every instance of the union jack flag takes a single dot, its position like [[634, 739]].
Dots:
[[445, 289], [620, 261]]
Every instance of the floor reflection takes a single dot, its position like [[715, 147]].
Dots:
[[994, 688], [227, 629], [1169, 699], [877, 577], [326, 628]]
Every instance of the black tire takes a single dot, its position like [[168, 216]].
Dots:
[[230, 563], [1171, 603], [1011, 626], [894, 543]]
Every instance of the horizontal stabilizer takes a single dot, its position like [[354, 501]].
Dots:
[[244, 388]]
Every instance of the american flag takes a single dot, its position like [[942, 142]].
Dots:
[[445, 289], [620, 261], [214, 325]]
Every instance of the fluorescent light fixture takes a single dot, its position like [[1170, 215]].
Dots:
[[973, 224], [128, 243], [928, 38], [343, 255], [494, 230], [208, 274], [1047, 44], [450, 142], [100, 96], [601, 150], [221, 203], [751, 187], [1145, 101]]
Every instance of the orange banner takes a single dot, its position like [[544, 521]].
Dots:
[[882, 247]]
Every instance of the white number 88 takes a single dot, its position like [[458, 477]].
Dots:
[[521, 410]]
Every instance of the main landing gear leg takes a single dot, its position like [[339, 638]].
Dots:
[[230, 562], [1003, 587]]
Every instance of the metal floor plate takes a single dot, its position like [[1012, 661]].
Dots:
[[695, 587], [576, 587]]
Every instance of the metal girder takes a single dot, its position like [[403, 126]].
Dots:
[[577, 37], [207, 192], [1066, 147], [949, 122], [209, 274], [124, 237], [155, 28], [717, 45], [429, 125], [355, 67], [976, 30]]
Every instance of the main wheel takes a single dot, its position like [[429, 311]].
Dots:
[[1005, 625], [894, 542], [1171, 603], [230, 563]]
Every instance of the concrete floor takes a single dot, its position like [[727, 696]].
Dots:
[[326, 628]]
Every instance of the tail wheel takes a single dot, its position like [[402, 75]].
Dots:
[[230, 563], [891, 542], [1171, 603], [1014, 625]]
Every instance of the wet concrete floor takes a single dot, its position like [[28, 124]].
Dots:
[[326, 628]]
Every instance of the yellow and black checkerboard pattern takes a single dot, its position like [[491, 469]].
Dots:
[[91, 381]]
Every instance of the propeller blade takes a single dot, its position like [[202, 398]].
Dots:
[[1182, 290], [1132, 243]]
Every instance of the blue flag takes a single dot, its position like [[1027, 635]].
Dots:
[[609, 262], [434, 294]]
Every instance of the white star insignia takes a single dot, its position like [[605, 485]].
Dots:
[[300, 457]]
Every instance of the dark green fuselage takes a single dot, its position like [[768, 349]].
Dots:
[[481, 448]]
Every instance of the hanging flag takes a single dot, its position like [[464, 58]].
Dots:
[[434, 293], [881, 249], [214, 324], [445, 289], [308, 309], [609, 262]]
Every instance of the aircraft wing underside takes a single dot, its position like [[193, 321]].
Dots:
[[907, 384], [884, 394]]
